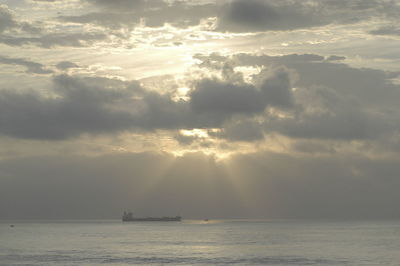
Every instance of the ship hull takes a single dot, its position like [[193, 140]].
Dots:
[[154, 219]]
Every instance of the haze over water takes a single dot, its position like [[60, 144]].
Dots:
[[219, 242]]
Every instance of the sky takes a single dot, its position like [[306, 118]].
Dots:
[[204, 109]]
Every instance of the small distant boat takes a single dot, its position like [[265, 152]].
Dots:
[[128, 217], [205, 220], [11, 225]]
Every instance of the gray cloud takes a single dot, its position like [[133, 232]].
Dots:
[[185, 140], [214, 96], [277, 88], [389, 30], [90, 105], [241, 130], [129, 14], [103, 185], [100, 105], [345, 124], [331, 101], [179, 14], [8, 22], [335, 58], [18, 33], [31, 34], [271, 186], [331, 186], [123, 5], [235, 16], [55, 39], [79, 108], [266, 15], [314, 70], [6, 19], [32, 67], [112, 20], [257, 15], [66, 65], [313, 147]]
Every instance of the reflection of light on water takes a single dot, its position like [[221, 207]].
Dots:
[[210, 221]]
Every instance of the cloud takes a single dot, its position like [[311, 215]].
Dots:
[[331, 186], [101, 105], [335, 58], [300, 96], [122, 5], [257, 15], [185, 140], [242, 130], [314, 70], [256, 185], [106, 19], [233, 16], [314, 147], [78, 108], [8, 22], [18, 33], [6, 19], [63, 65], [102, 186], [276, 87], [216, 60], [225, 98], [55, 39], [389, 30], [346, 124], [130, 14], [218, 97], [330, 100], [89, 105], [265, 15], [32, 67]]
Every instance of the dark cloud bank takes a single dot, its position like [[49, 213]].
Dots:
[[259, 185], [101, 105], [331, 101]]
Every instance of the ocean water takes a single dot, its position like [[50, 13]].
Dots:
[[225, 242]]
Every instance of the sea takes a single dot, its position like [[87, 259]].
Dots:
[[197, 242]]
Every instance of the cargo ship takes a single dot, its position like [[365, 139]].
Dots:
[[128, 217]]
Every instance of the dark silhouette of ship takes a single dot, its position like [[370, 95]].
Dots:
[[128, 217]]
